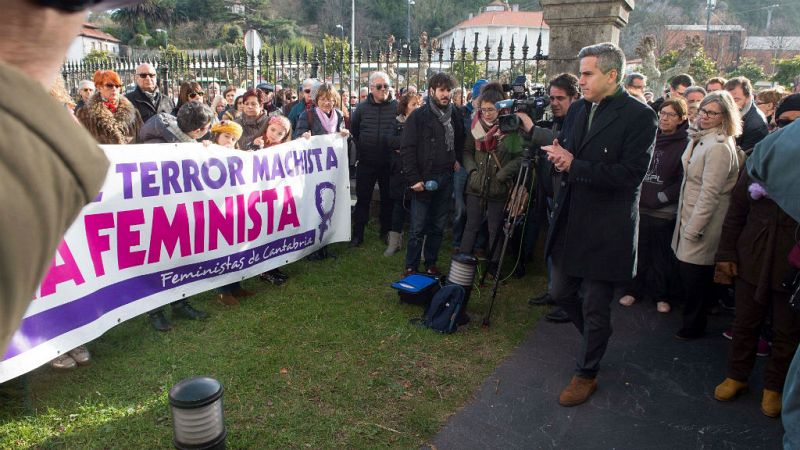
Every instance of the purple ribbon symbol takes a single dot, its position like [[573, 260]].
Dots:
[[326, 216]]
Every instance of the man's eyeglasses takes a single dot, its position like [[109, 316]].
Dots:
[[112, 85], [195, 94], [146, 75], [307, 91], [87, 90], [381, 86], [707, 113]]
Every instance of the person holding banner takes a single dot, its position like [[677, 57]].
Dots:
[[279, 129], [322, 118], [193, 122], [108, 115]]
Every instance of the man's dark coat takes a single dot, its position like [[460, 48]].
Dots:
[[596, 210]]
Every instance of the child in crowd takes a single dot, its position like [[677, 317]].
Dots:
[[278, 131], [227, 133]]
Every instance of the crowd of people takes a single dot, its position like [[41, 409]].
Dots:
[[642, 199]]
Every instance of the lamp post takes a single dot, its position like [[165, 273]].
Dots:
[[408, 22], [710, 5], [353, 45]]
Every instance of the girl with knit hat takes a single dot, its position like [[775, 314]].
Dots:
[[108, 115]]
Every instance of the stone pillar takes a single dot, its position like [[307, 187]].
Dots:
[[575, 24]]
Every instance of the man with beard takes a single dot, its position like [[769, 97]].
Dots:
[[432, 144]]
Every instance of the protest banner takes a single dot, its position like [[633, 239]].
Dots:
[[174, 220]]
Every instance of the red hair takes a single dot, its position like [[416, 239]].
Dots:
[[101, 77]]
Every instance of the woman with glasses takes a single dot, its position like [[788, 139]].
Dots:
[[711, 165], [658, 207], [108, 115], [190, 91], [492, 164], [254, 118]]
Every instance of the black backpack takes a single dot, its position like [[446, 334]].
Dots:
[[444, 309]]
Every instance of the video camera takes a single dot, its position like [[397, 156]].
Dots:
[[524, 99]]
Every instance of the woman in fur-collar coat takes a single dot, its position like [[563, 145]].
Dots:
[[108, 115]]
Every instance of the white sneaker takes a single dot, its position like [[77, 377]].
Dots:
[[81, 355], [63, 362]]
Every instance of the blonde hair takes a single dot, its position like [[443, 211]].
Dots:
[[218, 100], [731, 117], [59, 92]]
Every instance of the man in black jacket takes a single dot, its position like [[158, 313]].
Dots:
[[603, 153], [146, 98], [433, 142], [754, 124], [371, 126]]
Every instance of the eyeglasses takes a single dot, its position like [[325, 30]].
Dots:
[[381, 87], [195, 94], [667, 114], [783, 122], [294, 97], [146, 75], [112, 85], [307, 91], [488, 110], [87, 90], [707, 113]]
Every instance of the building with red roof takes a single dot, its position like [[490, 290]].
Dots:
[[496, 22], [92, 38]]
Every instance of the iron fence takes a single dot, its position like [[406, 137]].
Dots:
[[346, 69]]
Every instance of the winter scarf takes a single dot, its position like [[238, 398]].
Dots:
[[487, 143], [445, 117], [327, 122]]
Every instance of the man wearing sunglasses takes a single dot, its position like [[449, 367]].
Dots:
[[305, 103], [85, 90], [56, 149], [371, 125], [146, 97]]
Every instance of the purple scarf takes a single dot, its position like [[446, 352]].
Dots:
[[328, 123]]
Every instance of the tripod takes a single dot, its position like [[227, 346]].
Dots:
[[514, 206]]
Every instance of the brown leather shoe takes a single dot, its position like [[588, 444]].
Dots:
[[578, 391], [729, 389], [228, 299], [771, 403], [242, 293]]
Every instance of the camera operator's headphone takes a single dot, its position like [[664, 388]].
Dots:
[[81, 5]]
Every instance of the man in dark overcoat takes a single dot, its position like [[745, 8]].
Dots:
[[602, 154]]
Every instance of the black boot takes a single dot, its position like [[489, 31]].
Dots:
[[158, 320], [557, 315], [185, 310]]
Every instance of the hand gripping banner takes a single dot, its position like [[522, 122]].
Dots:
[[174, 220]]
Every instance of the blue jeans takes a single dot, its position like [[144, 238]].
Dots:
[[428, 218], [459, 211]]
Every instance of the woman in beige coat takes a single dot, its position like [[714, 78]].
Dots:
[[711, 165]]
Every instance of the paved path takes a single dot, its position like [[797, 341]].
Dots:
[[654, 393]]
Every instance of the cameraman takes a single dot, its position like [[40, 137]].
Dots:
[[562, 91]]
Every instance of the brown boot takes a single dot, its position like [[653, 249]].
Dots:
[[242, 293], [228, 299], [771, 404], [578, 391], [729, 389]]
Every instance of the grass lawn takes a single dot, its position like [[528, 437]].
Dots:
[[328, 360]]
